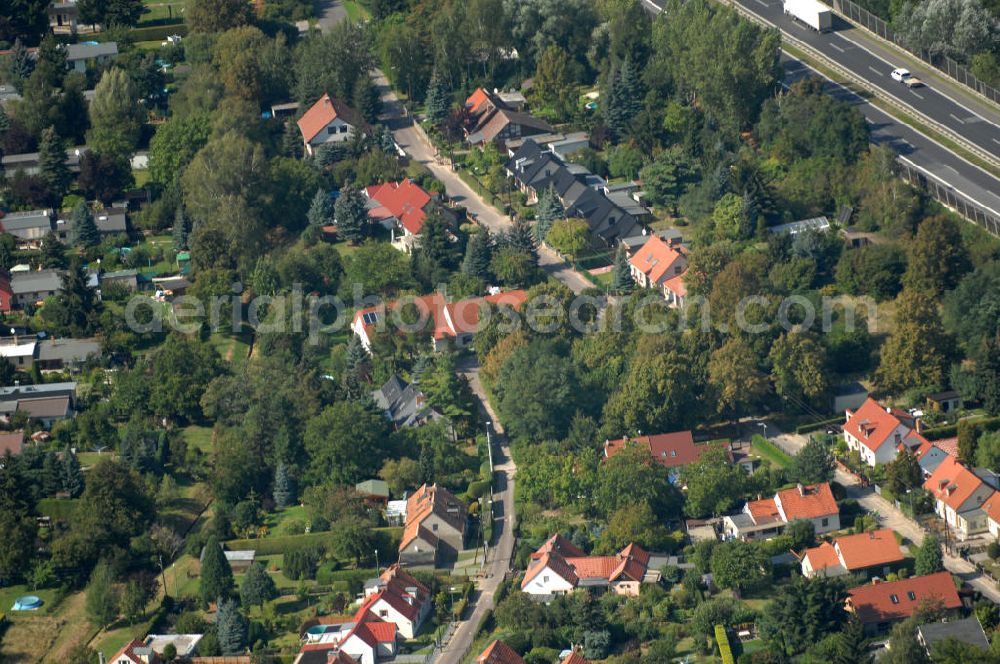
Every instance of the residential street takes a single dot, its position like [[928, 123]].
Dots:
[[889, 516], [411, 138], [328, 14], [502, 548]]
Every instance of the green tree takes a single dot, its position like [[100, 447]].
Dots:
[[668, 177], [401, 474], [320, 210], [732, 218], [17, 544], [343, 441], [554, 84], [740, 565], [813, 464], [548, 211], [537, 390], [903, 473], [76, 306], [351, 215], [71, 475], [175, 144], [231, 627], [938, 257], [876, 270], [634, 524], [621, 274], [478, 254], [733, 373], [180, 229], [437, 103], [713, 485], [353, 538], [903, 646], [628, 479], [216, 578], [928, 559], [213, 16], [284, 489], [102, 595], [52, 164], [257, 586], [133, 600], [116, 116], [85, 233], [799, 366], [919, 346], [803, 612], [104, 177], [851, 646], [512, 266], [569, 236], [802, 532], [178, 372]]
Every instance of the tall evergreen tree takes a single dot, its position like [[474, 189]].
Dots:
[[4, 121], [284, 492], [320, 210], [479, 254], [102, 598], [631, 90], [52, 165], [231, 627], [851, 647], [385, 141], [291, 141], [72, 475], [53, 252], [351, 215], [85, 233], [621, 281], [257, 587], [181, 228], [365, 98], [20, 64], [522, 237], [76, 306], [437, 104], [613, 105], [548, 211], [216, 574]]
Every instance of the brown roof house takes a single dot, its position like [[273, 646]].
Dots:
[[436, 524], [329, 120], [493, 119]]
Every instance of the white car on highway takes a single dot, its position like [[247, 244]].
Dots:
[[900, 74]]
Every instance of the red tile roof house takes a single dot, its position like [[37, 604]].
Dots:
[[558, 567], [959, 498], [329, 120], [876, 553], [135, 652], [402, 207], [499, 652], [454, 322], [765, 518], [399, 598], [491, 120], [671, 450], [879, 604], [992, 509], [11, 441], [877, 432], [661, 265], [436, 525]]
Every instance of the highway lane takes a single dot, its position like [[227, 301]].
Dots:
[[978, 130]]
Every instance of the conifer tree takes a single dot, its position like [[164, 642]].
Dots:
[[284, 492], [52, 164], [216, 574], [320, 210], [522, 238], [180, 229], [291, 141], [478, 255], [85, 233], [72, 475], [622, 272], [351, 215], [437, 103], [231, 628], [547, 212]]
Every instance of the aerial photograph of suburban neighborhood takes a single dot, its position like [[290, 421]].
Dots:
[[499, 331]]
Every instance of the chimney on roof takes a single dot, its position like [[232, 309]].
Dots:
[[876, 581], [871, 535], [888, 410], [942, 484], [802, 489], [919, 423]]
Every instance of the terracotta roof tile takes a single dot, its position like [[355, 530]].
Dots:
[[405, 200], [655, 259], [574, 658], [499, 652], [871, 424], [952, 483], [807, 502], [667, 449], [896, 600], [869, 549], [322, 113], [763, 511], [553, 562], [822, 556]]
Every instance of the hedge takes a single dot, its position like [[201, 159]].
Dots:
[[388, 540], [158, 32], [725, 652], [813, 426], [951, 430]]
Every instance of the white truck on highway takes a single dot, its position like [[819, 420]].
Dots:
[[813, 13]]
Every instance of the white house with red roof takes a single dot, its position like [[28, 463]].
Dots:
[[499, 652], [454, 322], [959, 497], [992, 509], [767, 517], [671, 450], [880, 604], [402, 207], [329, 120], [135, 652], [399, 598], [877, 432], [436, 524], [661, 265], [558, 567], [876, 552]]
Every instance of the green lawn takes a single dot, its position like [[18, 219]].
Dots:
[[199, 437], [160, 12], [355, 11], [767, 450], [10, 593]]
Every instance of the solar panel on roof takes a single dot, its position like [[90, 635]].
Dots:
[[370, 318]]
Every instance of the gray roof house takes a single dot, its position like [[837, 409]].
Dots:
[[29, 287], [403, 403], [581, 192], [59, 354], [28, 226], [931, 459], [28, 161], [968, 630], [78, 55], [48, 402]]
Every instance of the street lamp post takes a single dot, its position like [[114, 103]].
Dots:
[[376, 562], [764, 425]]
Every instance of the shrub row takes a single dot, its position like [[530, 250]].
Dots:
[[822, 424], [388, 540]]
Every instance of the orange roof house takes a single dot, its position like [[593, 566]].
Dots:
[[879, 604], [499, 652], [660, 264], [456, 320], [491, 119], [559, 567], [329, 120], [959, 497], [876, 432], [406, 201], [853, 553], [766, 517], [435, 520], [135, 652], [672, 450]]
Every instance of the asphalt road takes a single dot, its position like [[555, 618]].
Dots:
[[981, 130]]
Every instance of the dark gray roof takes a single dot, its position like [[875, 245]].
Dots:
[[404, 404], [36, 281], [931, 459], [111, 220], [967, 630], [16, 221], [85, 51], [44, 407]]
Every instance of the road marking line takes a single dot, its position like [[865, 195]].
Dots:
[[957, 118], [838, 48], [995, 141], [917, 95], [761, 3], [870, 68]]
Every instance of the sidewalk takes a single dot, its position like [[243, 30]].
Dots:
[[415, 142]]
